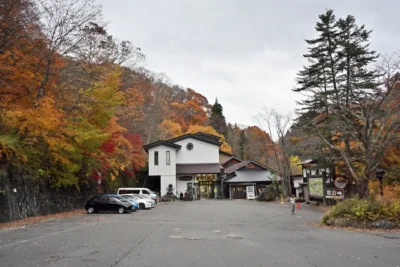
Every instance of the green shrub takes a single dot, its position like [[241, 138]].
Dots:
[[364, 211]]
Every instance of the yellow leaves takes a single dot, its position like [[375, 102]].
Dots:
[[208, 129], [103, 99], [294, 165], [169, 129], [39, 120]]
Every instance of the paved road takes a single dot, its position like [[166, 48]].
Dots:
[[201, 233]]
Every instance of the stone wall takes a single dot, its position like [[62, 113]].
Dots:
[[36, 197]]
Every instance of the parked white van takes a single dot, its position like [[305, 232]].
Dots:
[[144, 192]]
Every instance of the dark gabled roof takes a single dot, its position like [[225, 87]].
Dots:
[[198, 136], [208, 136], [242, 164], [161, 143], [250, 176], [229, 159], [204, 137]]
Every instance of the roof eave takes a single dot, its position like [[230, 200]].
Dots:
[[161, 143]]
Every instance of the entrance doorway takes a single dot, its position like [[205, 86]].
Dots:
[[205, 185], [238, 191]]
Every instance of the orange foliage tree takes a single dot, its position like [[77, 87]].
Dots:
[[191, 111]]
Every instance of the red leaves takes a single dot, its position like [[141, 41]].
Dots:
[[108, 146]]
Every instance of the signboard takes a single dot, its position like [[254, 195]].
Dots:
[[335, 193], [185, 178], [340, 182], [315, 187]]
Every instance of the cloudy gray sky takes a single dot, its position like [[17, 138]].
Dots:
[[245, 52]]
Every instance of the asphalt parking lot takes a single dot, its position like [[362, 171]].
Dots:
[[200, 233]]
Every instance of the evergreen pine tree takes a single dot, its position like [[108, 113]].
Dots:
[[340, 85], [217, 118], [318, 80], [243, 145]]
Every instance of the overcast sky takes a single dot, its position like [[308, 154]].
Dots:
[[244, 52]]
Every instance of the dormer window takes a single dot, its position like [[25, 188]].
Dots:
[[168, 158]]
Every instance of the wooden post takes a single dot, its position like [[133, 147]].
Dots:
[[324, 187]]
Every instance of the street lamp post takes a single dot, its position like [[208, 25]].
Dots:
[[379, 173]]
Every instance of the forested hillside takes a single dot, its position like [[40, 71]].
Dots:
[[77, 105]]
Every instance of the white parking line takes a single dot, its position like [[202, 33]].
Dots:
[[44, 236]]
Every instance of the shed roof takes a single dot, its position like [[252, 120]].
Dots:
[[249, 175], [201, 168], [242, 164]]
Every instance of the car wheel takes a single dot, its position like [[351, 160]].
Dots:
[[142, 206], [90, 210], [121, 210]]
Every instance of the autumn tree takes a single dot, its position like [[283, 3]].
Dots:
[[281, 150], [169, 129], [59, 119], [232, 137], [191, 111]]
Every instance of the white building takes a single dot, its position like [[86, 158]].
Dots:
[[194, 162], [184, 160]]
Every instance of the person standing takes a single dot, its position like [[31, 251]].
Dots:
[[292, 201]]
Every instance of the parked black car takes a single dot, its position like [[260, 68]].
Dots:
[[108, 203]]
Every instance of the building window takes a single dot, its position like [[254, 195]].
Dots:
[[155, 157], [168, 158], [189, 146]]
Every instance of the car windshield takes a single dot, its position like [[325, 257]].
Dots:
[[120, 198]]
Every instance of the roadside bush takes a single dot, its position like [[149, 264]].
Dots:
[[391, 192], [268, 194], [364, 212]]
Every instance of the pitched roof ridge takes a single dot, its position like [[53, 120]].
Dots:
[[214, 141], [230, 158]]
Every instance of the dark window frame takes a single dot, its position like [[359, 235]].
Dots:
[[156, 158], [168, 158]]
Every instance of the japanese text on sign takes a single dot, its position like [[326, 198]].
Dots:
[[335, 193]]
